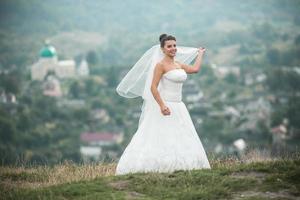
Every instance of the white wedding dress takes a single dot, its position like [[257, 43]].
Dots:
[[165, 143]]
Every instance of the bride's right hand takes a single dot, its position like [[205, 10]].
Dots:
[[165, 110]]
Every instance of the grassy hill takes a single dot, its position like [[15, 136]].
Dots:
[[228, 179]]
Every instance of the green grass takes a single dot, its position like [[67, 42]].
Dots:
[[279, 179]]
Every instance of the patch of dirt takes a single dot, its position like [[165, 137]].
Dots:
[[119, 185], [122, 185], [260, 176], [283, 194], [134, 195]]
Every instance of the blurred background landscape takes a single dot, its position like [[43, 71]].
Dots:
[[60, 62]]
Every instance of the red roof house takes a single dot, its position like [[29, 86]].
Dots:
[[101, 138]]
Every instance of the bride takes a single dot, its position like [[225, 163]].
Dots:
[[166, 139]]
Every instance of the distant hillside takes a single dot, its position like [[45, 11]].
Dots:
[[121, 31]]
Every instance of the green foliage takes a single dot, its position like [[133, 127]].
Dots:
[[283, 80], [92, 58], [8, 131], [265, 31], [276, 57], [231, 78], [285, 84], [10, 82], [297, 40]]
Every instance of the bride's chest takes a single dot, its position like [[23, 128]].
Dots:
[[176, 76]]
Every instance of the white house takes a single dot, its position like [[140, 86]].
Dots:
[[93, 144], [83, 69], [90, 153]]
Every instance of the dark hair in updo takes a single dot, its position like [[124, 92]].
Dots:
[[164, 37]]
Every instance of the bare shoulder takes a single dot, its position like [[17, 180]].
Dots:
[[159, 67]]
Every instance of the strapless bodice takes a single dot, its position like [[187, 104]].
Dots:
[[171, 85]]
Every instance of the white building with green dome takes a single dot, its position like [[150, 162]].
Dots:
[[48, 62]]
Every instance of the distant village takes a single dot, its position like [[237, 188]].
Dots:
[[251, 108]]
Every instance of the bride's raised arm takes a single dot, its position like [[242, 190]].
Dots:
[[190, 69]]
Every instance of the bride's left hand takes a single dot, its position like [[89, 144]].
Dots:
[[201, 50]]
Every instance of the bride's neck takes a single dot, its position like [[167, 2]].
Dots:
[[169, 59]]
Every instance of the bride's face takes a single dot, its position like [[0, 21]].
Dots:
[[170, 48]]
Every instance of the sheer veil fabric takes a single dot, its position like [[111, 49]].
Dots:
[[138, 80]]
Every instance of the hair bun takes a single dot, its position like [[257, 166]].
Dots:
[[162, 36]]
